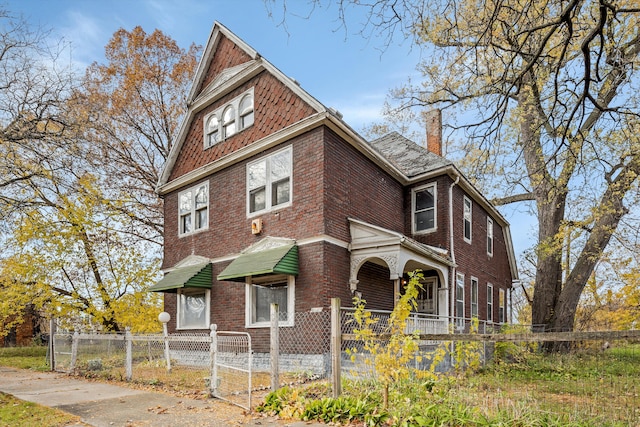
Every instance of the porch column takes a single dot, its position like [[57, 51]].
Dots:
[[396, 291], [443, 295]]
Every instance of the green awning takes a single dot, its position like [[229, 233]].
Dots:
[[280, 260], [191, 276]]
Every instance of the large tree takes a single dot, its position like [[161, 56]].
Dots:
[[546, 93], [80, 160], [135, 104]]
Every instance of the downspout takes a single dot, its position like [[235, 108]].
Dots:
[[452, 282]]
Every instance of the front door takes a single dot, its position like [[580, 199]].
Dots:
[[427, 296]]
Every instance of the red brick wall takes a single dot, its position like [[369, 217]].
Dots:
[[472, 257], [229, 228], [355, 187], [24, 333]]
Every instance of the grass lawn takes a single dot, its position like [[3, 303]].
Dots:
[[34, 358], [16, 412]]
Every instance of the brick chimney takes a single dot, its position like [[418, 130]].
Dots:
[[433, 119]]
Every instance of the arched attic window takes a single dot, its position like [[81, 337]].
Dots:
[[213, 135], [246, 111], [229, 122]]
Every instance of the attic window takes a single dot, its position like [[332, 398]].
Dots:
[[212, 131], [246, 111], [229, 122], [231, 118]]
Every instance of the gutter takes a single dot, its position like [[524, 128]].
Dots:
[[452, 284]]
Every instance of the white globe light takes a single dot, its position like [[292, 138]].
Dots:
[[164, 317]]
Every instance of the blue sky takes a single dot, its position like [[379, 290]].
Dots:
[[337, 66]]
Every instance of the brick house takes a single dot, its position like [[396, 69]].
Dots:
[[271, 197]]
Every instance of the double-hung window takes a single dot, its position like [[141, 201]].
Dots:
[[193, 209], [193, 308], [263, 292], [424, 208], [231, 118], [467, 205], [502, 306], [269, 182], [460, 299], [489, 302], [489, 236], [474, 297]]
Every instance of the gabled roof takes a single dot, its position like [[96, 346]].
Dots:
[[410, 158], [200, 97]]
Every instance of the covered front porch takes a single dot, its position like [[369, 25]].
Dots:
[[381, 261]]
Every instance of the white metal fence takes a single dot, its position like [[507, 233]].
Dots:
[[231, 375]]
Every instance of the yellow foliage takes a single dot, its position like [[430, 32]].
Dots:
[[391, 356]]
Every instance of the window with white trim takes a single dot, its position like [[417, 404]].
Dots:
[[231, 118], [460, 298], [262, 292], [193, 308], [193, 209], [467, 205], [489, 236], [269, 182], [246, 111], [502, 306], [474, 297], [228, 122], [489, 302], [423, 202], [212, 132]]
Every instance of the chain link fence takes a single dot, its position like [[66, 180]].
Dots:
[[576, 375]]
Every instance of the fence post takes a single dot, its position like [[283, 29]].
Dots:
[[128, 339], [164, 318], [213, 354], [336, 346], [74, 350], [274, 349], [52, 346]]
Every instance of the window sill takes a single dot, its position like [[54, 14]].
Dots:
[[201, 230], [270, 210], [427, 231]]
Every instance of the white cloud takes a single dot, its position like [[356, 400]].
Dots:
[[85, 37]]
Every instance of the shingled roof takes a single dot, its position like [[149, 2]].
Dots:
[[410, 158]]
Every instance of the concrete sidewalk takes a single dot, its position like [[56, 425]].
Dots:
[[106, 405]]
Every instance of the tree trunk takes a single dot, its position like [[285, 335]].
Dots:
[[550, 195]]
